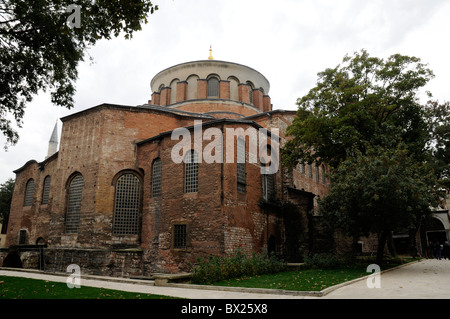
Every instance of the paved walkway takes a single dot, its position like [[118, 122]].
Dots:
[[425, 279]]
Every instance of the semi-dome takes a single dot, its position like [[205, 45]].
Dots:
[[212, 86]]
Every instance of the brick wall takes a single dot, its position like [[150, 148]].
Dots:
[[100, 144]]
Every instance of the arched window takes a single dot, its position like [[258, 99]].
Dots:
[[127, 205], [213, 87], [191, 172], [241, 165], [268, 186], [156, 177], [268, 180], [324, 177], [46, 190], [74, 204], [29, 191], [317, 173], [173, 91], [310, 171], [234, 91], [302, 168], [251, 87], [192, 87]]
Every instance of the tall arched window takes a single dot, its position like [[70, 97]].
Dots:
[[241, 165], [192, 87], [213, 87], [191, 172], [250, 91], [29, 192], [46, 190], [173, 91], [324, 176], [310, 171], [127, 205], [268, 186], [156, 177], [74, 204]]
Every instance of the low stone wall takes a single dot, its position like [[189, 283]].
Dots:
[[115, 263]]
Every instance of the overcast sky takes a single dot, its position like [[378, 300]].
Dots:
[[288, 41]]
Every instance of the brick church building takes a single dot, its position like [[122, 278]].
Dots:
[[114, 200]]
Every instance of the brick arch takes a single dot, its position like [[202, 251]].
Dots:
[[139, 175], [71, 177], [213, 75]]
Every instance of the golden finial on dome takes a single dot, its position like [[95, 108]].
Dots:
[[210, 53]]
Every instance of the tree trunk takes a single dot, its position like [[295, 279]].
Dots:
[[381, 244], [391, 245]]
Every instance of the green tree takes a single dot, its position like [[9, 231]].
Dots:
[[43, 41], [385, 148], [378, 192], [439, 116], [365, 101], [6, 193]]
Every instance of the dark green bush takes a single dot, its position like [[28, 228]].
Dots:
[[323, 261], [212, 268]]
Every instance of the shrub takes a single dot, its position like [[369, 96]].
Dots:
[[212, 268], [322, 261]]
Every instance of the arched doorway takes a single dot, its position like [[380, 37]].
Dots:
[[435, 231]]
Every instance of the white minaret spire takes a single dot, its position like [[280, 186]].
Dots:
[[53, 143]]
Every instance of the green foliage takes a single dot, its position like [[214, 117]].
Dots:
[[322, 261], [6, 193], [216, 268], [327, 261], [365, 101], [439, 117], [385, 149], [384, 190], [39, 50]]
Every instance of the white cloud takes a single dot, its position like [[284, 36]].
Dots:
[[289, 41]]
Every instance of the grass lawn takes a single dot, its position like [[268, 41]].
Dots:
[[303, 280], [24, 288]]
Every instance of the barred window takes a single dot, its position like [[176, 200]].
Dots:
[[191, 172], [127, 205], [74, 204], [46, 190], [241, 165], [29, 192], [213, 87], [179, 236], [156, 177], [268, 186]]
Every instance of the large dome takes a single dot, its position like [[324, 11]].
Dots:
[[212, 82], [224, 71]]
